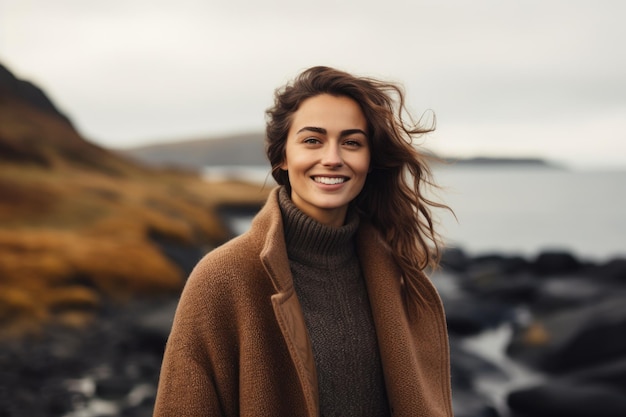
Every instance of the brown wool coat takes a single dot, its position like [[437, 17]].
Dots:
[[239, 345]]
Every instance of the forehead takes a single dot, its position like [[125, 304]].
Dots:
[[328, 111]]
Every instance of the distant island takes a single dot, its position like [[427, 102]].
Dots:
[[501, 161], [247, 149]]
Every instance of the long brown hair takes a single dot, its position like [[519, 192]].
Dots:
[[393, 197]]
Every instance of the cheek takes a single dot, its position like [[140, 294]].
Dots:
[[297, 161], [365, 165]]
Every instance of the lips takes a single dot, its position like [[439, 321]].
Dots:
[[330, 180]]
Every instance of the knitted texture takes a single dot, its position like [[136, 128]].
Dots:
[[330, 286]]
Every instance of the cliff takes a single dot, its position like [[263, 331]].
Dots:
[[80, 224]]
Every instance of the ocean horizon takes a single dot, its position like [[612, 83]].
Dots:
[[515, 210]]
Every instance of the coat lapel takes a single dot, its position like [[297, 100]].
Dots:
[[286, 304], [413, 351], [289, 315]]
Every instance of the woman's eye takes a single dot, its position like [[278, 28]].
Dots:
[[352, 143], [311, 141]]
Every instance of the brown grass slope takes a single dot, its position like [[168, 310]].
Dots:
[[80, 224]]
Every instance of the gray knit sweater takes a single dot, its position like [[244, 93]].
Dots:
[[331, 290]]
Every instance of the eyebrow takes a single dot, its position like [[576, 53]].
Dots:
[[323, 131]]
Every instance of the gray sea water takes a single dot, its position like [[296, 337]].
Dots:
[[517, 209], [526, 210]]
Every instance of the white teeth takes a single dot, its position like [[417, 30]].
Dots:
[[328, 180]]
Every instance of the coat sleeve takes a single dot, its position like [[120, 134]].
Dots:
[[185, 387], [195, 372]]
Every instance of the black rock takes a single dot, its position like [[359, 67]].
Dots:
[[555, 263], [489, 281], [152, 326], [566, 399], [614, 270], [611, 373], [454, 260], [466, 367], [470, 315], [575, 338], [471, 404], [563, 292], [120, 353], [115, 387], [505, 264]]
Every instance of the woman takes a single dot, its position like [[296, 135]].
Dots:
[[322, 307]]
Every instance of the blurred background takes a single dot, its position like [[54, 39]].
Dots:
[[131, 143], [541, 79]]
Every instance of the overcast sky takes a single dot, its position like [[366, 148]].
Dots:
[[539, 78]]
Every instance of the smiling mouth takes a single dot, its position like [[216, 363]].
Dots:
[[330, 180]]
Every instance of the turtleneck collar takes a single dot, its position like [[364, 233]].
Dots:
[[313, 243]]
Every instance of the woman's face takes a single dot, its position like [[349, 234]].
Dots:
[[327, 157]]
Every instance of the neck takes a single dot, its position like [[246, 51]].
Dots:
[[312, 241], [334, 217]]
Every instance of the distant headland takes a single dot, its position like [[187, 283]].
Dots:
[[502, 161], [247, 149]]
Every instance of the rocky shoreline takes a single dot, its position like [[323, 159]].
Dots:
[[109, 368], [534, 338], [529, 338]]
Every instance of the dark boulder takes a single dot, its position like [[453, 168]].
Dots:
[[471, 404], [489, 281], [506, 264], [555, 263], [558, 398], [574, 338], [614, 270], [454, 260], [151, 325], [467, 367], [505, 278], [563, 292], [114, 387], [611, 373], [469, 315]]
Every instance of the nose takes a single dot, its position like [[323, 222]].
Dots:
[[332, 156]]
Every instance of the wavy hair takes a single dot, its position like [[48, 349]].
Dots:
[[393, 197]]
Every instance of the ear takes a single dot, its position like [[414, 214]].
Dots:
[[284, 165]]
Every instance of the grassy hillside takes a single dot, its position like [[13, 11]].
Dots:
[[80, 224]]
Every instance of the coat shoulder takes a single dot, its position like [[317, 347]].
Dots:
[[231, 264]]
